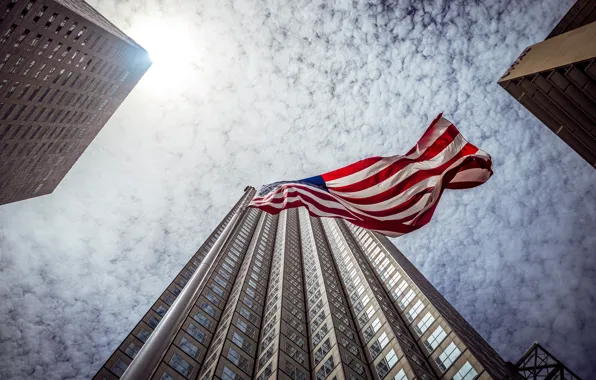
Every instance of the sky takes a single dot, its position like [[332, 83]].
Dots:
[[249, 92]]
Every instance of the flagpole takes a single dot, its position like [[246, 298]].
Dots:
[[150, 356]]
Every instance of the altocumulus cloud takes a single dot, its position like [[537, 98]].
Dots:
[[277, 90]]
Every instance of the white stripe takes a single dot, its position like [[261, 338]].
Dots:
[[322, 202], [472, 175], [403, 197], [446, 154], [438, 130]]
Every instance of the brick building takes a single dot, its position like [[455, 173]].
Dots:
[[64, 70]]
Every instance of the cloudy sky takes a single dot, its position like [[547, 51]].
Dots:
[[249, 92]]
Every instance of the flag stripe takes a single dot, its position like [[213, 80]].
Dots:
[[392, 195]]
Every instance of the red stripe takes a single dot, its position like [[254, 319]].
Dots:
[[441, 143], [424, 217], [412, 180], [426, 133], [350, 169]]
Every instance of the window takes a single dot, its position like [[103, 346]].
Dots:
[[326, 369], [239, 360], [386, 364], [400, 289], [376, 325], [228, 374], [466, 372], [188, 347], [119, 367], [424, 324], [435, 339], [219, 291], [208, 308], [166, 376], [414, 311], [196, 333], [161, 310], [238, 339], [401, 375], [143, 335], [132, 349], [203, 320], [294, 372], [180, 365], [153, 322], [322, 351], [448, 357], [403, 303]]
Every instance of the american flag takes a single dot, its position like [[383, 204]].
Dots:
[[391, 195]]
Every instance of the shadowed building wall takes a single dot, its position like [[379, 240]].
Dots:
[[64, 70], [556, 80]]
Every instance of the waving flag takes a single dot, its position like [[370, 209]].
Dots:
[[391, 195]]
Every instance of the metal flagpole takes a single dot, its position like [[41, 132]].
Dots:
[[149, 357]]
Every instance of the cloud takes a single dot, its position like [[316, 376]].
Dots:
[[283, 90]]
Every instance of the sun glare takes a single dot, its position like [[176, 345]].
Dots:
[[171, 50]]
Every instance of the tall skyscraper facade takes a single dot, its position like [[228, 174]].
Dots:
[[289, 296], [64, 70], [556, 80]]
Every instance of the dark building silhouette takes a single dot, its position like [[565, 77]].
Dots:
[[64, 70], [581, 13], [293, 297], [556, 80]]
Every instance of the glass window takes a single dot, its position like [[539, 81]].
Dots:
[[237, 339], [166, 376], [153, 322], [228, 374], [383, 340], [208, 308], [161, 310], [203, 320], [132, 350], [326, 369], [143, 335], [466, 372], [448, 356], [403, 303], [424, 323], [119, 367], [400, 375], [376, 325], [219, 291], [435, 339], [196, 333], [187, 346], [213, 299], [415, 310], [180, 365], [240, 361]]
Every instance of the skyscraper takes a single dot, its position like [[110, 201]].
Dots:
[[293, 297], [64, 70], [556, 80]]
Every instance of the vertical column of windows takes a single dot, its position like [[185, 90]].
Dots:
[[335, 347], [434, 335], [131, 345], [389, 345], [283, 348], [186, 355], [233, 351]]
